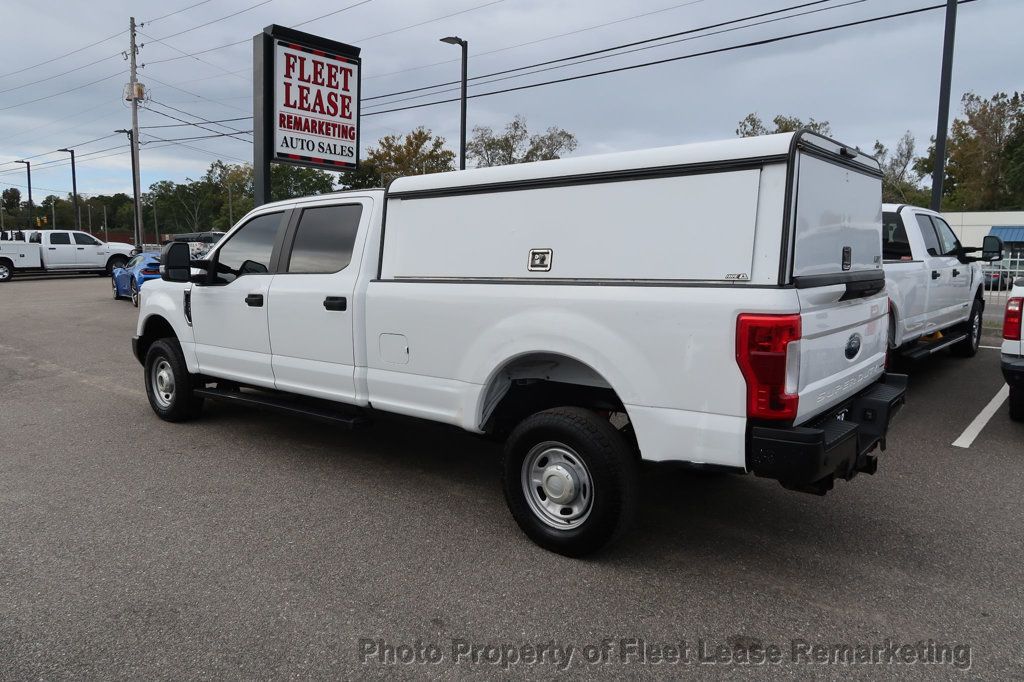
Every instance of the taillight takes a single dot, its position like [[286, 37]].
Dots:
[[150, 272], [763, 344], [1012, 319]]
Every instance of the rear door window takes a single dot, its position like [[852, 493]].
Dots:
[[931, 240], [895, 245], [60, 238], [324, 239]]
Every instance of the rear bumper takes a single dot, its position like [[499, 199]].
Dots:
[[1013, 370], [835, 445]]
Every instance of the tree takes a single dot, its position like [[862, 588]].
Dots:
[[901, 181], [751, 125], [977, 165], [516, 145], [10, 200], [416, 153]]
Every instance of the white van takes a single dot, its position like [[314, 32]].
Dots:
[[715, 304]]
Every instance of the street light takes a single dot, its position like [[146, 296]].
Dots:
[[74, 188], [455, 40], [28, 169], [135, 191]]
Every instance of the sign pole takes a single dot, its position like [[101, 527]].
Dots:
[[262, 113]]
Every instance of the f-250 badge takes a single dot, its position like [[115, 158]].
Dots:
[[540, 260]]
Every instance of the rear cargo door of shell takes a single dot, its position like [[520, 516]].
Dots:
[[836, 265]]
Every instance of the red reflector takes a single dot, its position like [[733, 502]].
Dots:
[[1012, 319], [761, 345]]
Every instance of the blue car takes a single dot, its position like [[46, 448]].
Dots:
[[127, 281]]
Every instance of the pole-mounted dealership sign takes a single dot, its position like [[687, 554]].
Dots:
[[305, 103]]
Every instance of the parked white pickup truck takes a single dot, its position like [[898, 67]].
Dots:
[[1012, 356], [59, 251], [716, 304], [932, 282]]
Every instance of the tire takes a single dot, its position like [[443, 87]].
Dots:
[[115, 262], [113, 286], [968, 348], [169, 384], [133, 292], [570, 451], [6, 270], [1016, 404]]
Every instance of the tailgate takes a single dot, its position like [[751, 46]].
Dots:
[[842, 346]]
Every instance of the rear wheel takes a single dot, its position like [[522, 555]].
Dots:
[[1016, 404], [169, 384], [968, 348], [6, 270], [570, 480]]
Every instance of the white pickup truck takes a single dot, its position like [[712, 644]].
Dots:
[[717, 304], [59, 251], [935, 288], [1012, 356]]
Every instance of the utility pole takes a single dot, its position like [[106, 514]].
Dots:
[[231, 213], [135, 92], [31, 209], [74, 189], [156, 225], [939, 171], [464, 44], [90, 218], [106, 236], [53, 215]]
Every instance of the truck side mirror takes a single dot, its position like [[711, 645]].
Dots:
[[991, 248], [175, 263]]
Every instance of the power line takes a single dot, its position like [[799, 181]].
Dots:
[[58, 75], [610, 49], [178, 11], [631, 67], [195, 94], [195, 149], [197, 125], [62, 92], [214, 21], [203, 137], [430, 21], [61, 56], [192, 56], [476, 55], [600, 52], [179, 125], [196, 116]]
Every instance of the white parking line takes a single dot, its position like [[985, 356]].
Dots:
[[992, 347], [975, 427]]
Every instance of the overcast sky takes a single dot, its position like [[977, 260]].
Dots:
[[872, 81]]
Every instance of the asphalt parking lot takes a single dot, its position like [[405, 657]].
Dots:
[[251, 545]]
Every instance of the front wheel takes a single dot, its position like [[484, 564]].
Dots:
[[169, 384], [570, 480], [113, 287], [1016, 404], [133, 290], [114, 263], [968, 348]]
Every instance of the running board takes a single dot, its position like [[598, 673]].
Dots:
[[925, 351], [321, 410]]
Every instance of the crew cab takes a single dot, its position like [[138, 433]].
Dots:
[[719, 305], [936, 290], [59, 251], [1012, 358]]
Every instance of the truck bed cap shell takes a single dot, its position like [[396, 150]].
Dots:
[[768, 147]]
